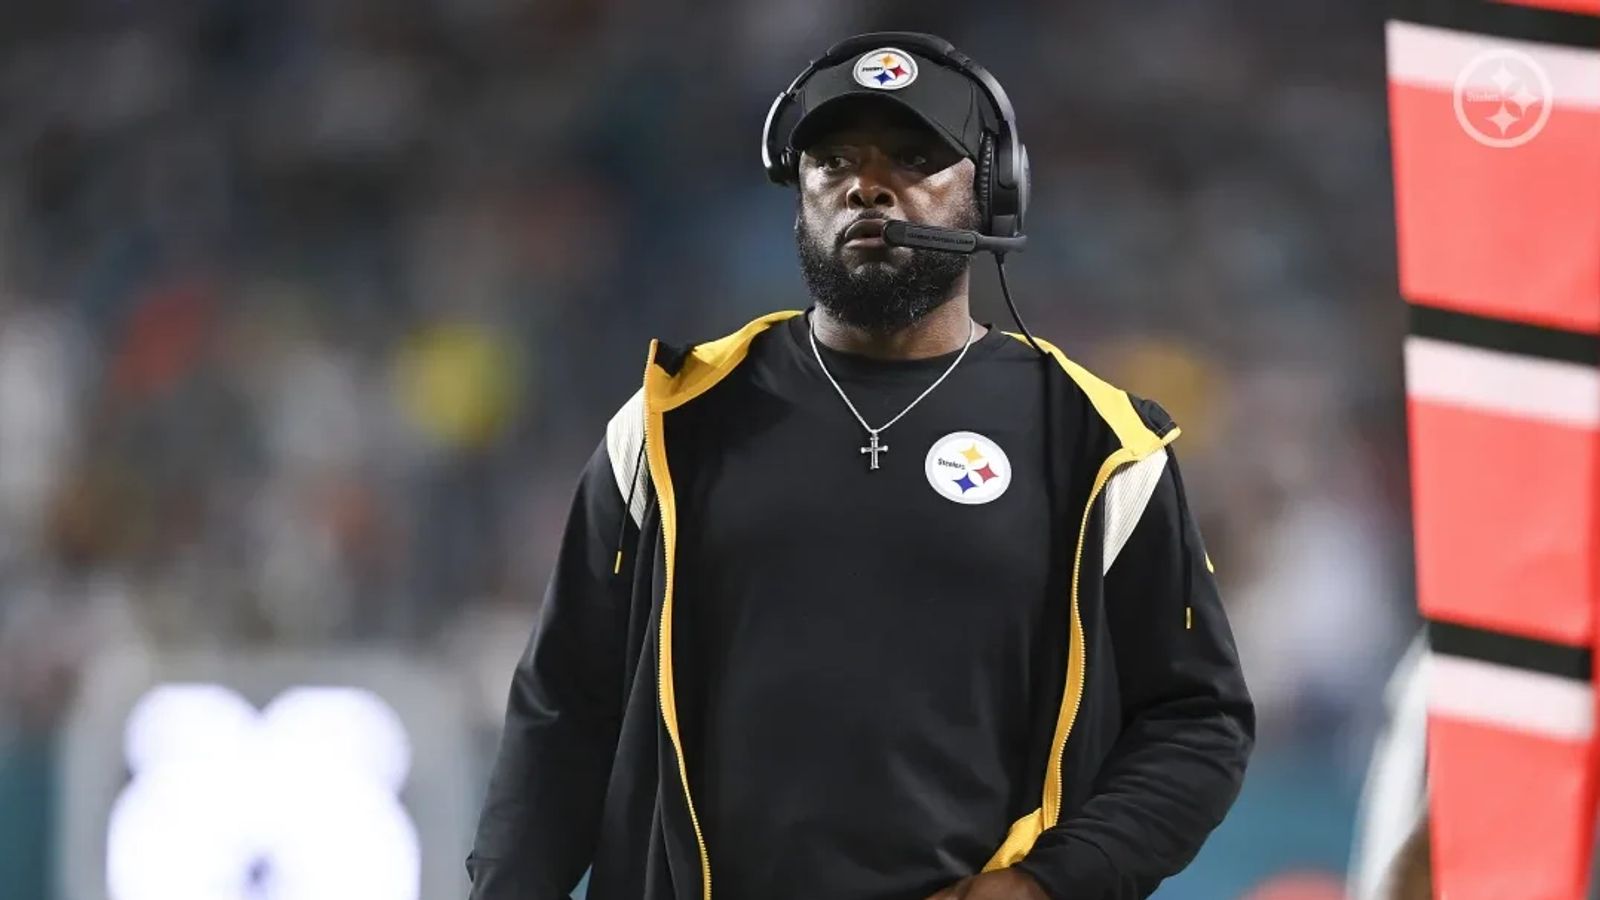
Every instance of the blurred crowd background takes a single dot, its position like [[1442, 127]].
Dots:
[[310, 312]]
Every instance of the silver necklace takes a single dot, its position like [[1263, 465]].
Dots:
[[874, 448]]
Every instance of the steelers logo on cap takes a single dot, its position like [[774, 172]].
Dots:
[[886, 69]]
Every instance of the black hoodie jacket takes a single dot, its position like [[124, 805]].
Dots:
[[1153, 728]]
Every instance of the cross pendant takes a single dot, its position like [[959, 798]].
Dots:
[[875, 449]]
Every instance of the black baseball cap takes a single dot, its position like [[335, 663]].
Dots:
[[947, 101]]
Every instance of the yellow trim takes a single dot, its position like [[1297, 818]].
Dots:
[[709, 362], [1110, 402], [1138, 441], [706, 364], [1019, 840], [1077, 661], [657, 384]]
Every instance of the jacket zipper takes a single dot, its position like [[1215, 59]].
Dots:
[[1107, 469], [663, 649]]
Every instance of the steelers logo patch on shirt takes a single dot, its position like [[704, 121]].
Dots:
[[967, 467], [886, 69]]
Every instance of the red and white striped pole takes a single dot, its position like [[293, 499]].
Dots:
[[1495, 121]]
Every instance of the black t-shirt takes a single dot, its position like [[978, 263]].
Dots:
[[868, 663]]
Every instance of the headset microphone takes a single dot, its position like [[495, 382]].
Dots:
[[898, 233]]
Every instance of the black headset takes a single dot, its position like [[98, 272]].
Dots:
[[1002, 179]]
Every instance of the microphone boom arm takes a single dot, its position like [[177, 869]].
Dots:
[[899, 233]]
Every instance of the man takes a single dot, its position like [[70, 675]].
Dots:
[[871, 601]]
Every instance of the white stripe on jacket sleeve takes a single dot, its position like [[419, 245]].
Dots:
[[1127, 495], [624, 435]]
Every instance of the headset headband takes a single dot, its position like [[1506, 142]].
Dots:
[[1007, 171]]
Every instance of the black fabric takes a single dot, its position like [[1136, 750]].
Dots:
[[1176, 757], [1155, 418], [588, 772], [861, 663], [563, 705]]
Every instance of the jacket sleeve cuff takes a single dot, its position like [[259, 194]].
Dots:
[[1072, 868]]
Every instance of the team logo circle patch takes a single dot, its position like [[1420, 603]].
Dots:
[[966, 467], [1503, 98], [886, 69]]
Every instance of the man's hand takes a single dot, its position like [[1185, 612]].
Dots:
[[1003, 884]]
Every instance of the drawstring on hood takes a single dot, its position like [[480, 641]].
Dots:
[[627, 509], [1183, 541]]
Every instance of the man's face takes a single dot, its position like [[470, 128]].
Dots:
[[872, 165]]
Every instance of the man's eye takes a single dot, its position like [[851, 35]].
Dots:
[[912, 160], [833, 163]]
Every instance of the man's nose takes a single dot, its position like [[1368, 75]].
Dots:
[[870, 190]]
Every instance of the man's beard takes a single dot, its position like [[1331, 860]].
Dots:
[[878, 297]]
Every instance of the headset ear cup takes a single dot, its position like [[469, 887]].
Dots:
[[1024, 190], [984, 180]]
